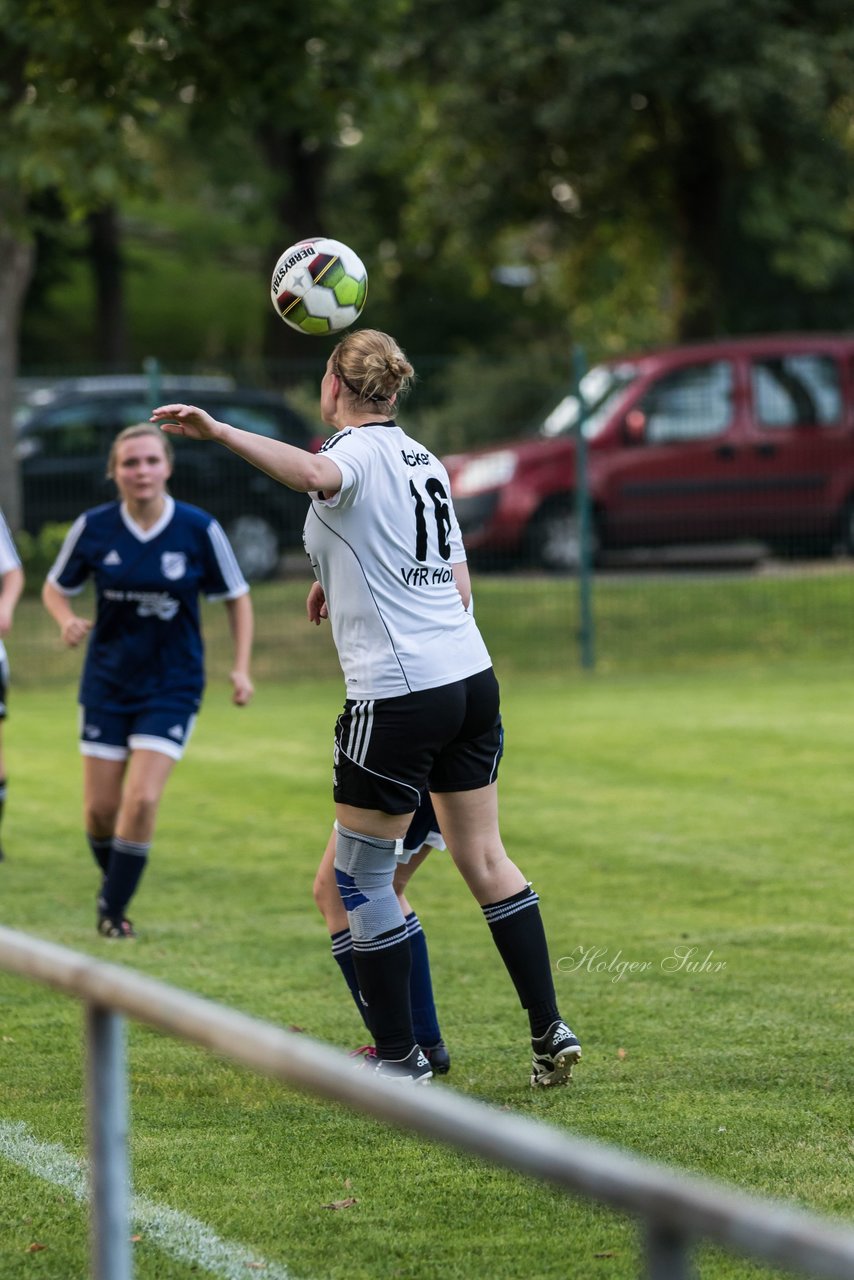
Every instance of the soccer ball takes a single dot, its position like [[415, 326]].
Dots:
[[319, 286]]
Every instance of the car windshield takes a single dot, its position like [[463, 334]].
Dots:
[[600, 388]]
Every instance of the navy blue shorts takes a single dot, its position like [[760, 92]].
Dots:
[[388, 750], [112, 735], [423, 829]]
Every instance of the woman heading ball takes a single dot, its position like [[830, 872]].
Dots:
[[422, 703]]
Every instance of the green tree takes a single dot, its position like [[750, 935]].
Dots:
[[296, 81], [658, 172], [76, 81], [699, 133]]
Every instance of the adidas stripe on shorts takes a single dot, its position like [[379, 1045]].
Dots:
[[387, 750]]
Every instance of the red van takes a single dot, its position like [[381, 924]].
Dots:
[[748, 438]]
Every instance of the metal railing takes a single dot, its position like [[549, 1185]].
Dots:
[[677, 1210]]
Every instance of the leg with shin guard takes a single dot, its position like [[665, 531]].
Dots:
[[364, 873]]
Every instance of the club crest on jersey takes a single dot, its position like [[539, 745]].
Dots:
[[173, 565]]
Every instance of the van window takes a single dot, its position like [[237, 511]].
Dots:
[[796, 390], [692, 403], [601, 388]]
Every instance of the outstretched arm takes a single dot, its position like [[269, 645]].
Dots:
[[297, 468]]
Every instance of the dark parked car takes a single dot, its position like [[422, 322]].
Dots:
[[64, 437], [746, 438]]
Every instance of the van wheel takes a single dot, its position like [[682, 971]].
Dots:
[[554, 540], [256, 546]]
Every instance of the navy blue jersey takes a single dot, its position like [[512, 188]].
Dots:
[[146, 646]]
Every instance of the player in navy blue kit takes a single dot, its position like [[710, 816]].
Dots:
[[150, 558], [422, 702], [11, 586]]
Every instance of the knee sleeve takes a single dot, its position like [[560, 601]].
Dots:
[[364, 872]]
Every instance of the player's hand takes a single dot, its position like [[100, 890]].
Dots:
[[243, 688], [315, 605], [5, 621], [186, 420], [74, 630]]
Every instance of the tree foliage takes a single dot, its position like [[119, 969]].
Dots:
[[642, 173], [699, 132], [76, 82]]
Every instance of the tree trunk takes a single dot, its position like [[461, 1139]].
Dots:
[[698, 181], [16, 267], [105, 257]]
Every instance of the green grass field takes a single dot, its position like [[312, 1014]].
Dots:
[[661, 807]]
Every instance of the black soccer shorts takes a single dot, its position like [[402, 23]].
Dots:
[[387, 750]]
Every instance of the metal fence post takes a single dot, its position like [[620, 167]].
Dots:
[[583, 516], [677, 1209], [667, 1256], [108, 1159], [151, 365]]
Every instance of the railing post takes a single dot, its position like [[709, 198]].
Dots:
[[151, 365], [676, 1209], [584, 518], [106, 1089], [667, 1253]]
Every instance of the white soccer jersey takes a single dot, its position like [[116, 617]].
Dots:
[[9, 558], [382, 549]]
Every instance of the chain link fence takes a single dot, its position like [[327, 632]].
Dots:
[[689, 508]]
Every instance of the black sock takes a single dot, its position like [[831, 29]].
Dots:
[[127, 863], [382, 967], [101, 847], [517, 929]]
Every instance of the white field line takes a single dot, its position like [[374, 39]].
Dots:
[[174, 1233]]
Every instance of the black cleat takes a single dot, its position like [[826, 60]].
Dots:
[[115, 927], [413, 1069], [439, 1058], [554, 1056]]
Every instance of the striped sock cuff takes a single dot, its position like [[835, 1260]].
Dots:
[[495, 912], [131, 847], [102, 849], [384, 942], [413, 925], [342, 943]]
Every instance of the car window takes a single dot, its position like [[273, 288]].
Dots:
[[796, 390], [66, 432], [87, 427], [692, 403], [257, 418], [601, 388], [128, 413]]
